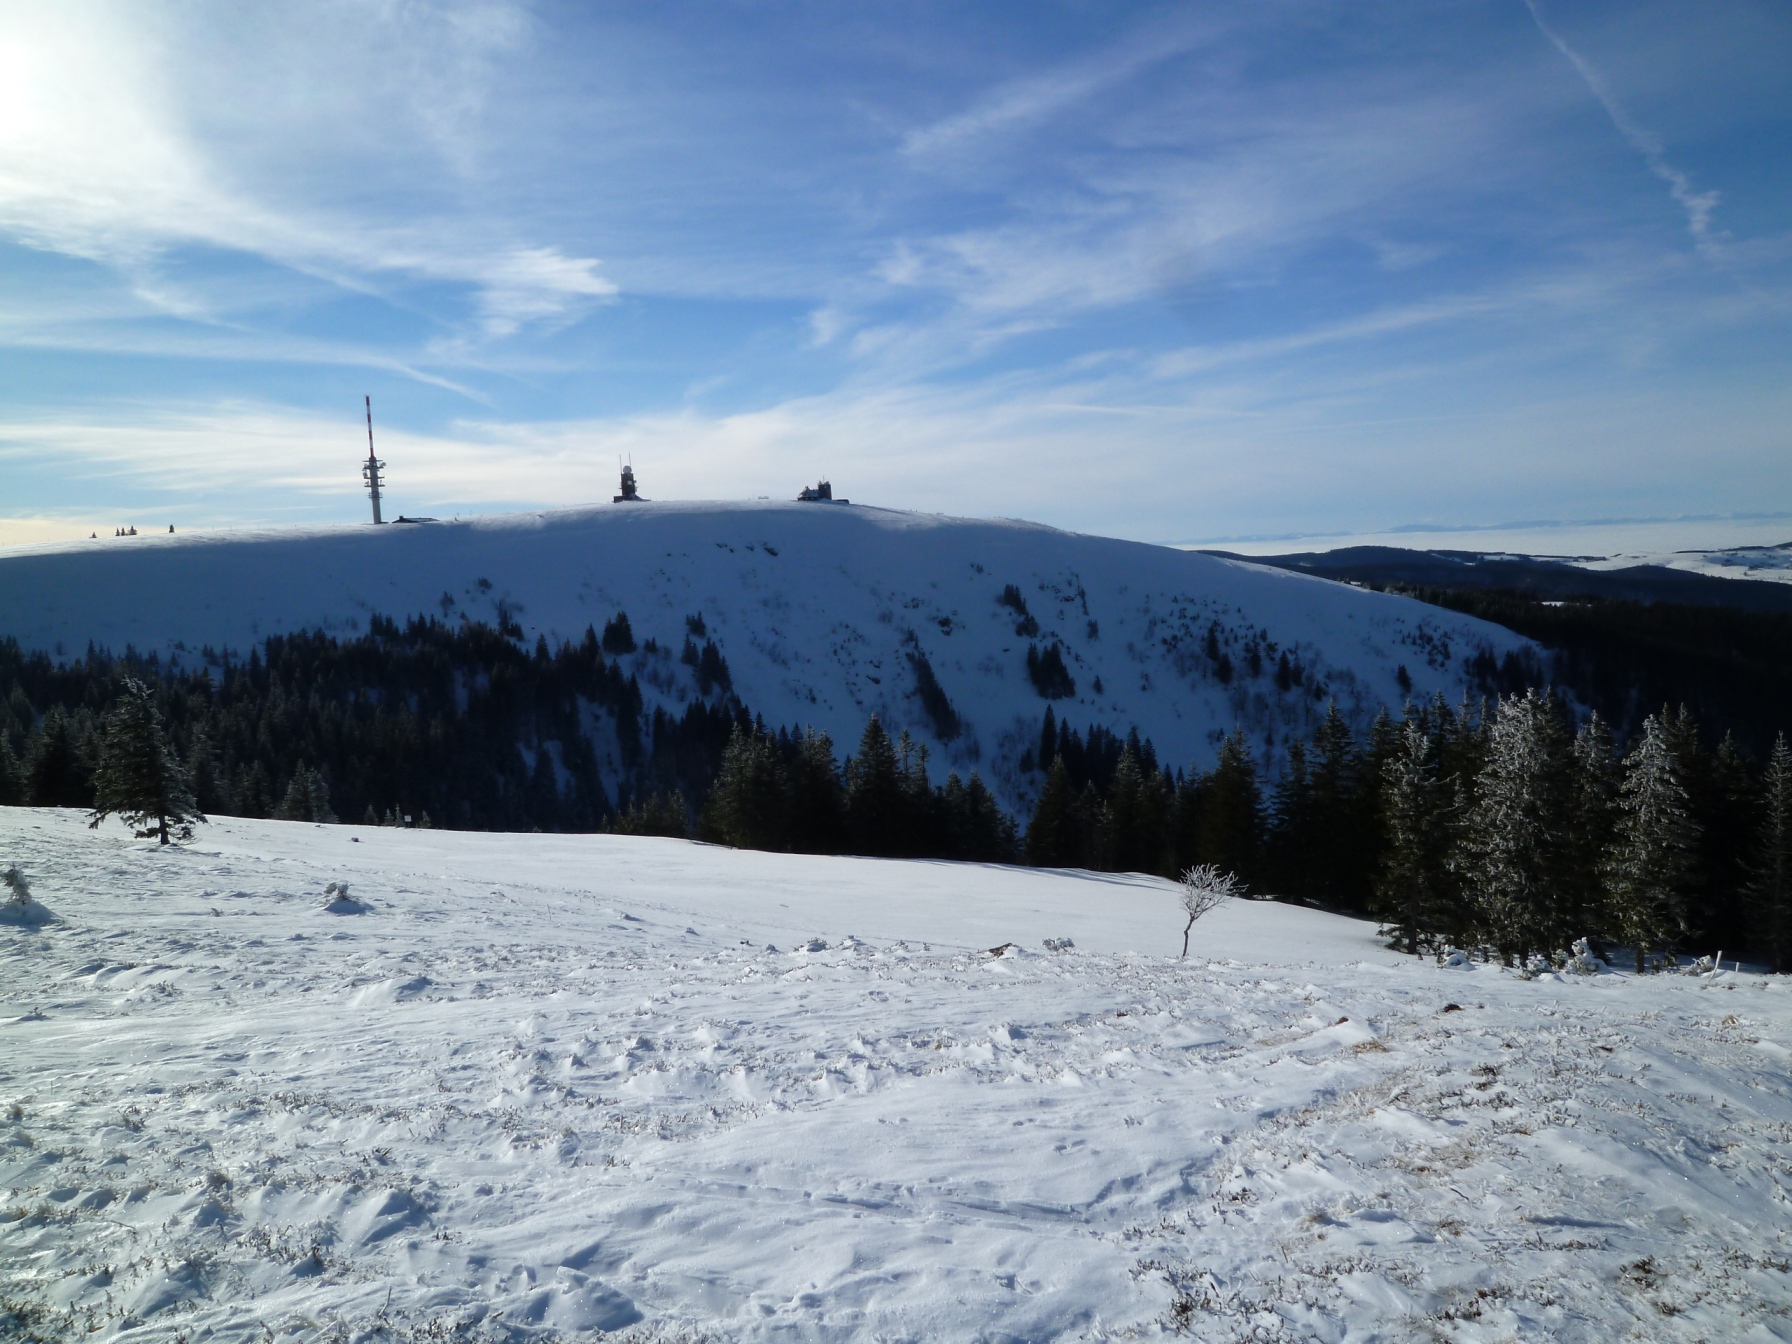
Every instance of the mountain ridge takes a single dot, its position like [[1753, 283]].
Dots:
[[825, 613]]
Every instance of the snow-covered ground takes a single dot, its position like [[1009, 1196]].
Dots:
[[550, 1085], [817, 608], [1770, 563]]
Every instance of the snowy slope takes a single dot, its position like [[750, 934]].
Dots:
[[815, 607], [550, 1085], [1772, 564]]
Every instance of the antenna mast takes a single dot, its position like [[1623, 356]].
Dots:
[[371, 469]]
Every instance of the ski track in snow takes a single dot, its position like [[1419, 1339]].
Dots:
[[546, 1086], [817, 609]]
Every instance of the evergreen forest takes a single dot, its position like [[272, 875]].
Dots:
[[1508, 825]]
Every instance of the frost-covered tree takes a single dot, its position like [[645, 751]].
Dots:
[[1205, 887], [307, 798], [139, 777], [1512, 845], [1651, 864], [1770, 885], [1412, 889]]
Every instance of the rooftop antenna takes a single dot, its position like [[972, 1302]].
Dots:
[[371, 469]]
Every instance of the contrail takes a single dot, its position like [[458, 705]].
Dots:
[[1697, 204]]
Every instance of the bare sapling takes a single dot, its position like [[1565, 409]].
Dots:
[[1205, 887]]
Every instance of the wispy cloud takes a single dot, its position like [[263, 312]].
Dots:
[[1698, 205], [101, 158], [1036, 98]]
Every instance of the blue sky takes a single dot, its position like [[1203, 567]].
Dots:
[[1173, 272]]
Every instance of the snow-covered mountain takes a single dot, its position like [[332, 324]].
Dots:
[[824, 613]]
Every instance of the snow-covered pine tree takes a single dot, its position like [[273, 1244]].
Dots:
[[1770, 885], [139, 777], [1649, 869], [1512, 846], [1411, 890]]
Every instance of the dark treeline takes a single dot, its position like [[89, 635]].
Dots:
[[1625, 659], [1509, 828], [784, 791], [453, 725]]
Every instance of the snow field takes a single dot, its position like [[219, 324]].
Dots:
[[544, 1086]]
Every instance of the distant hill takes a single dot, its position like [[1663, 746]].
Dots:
[[960, 631], [1545, 577], [1623, 641]]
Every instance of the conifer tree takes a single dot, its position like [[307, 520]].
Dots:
[[544, 792], [875, 798], [1232, 810], [208, 780], [1124, 845], [12, 779], [1594, 778], [1333, 819], [1513, 835], [1053, 836], [139, 776], [746, 804], [1728, 824], [56, 773], [307, 798], [1770, 887], [1412, 891], [978, 829], [1650, 866], [1291, 826], [817, 801]]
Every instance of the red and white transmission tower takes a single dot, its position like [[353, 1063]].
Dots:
[[371, 469]]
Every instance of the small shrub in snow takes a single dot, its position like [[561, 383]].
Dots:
[[1058, 944], [1452, 956], [339, 902], [19, 909], [1581, 960], [1205, 887]]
